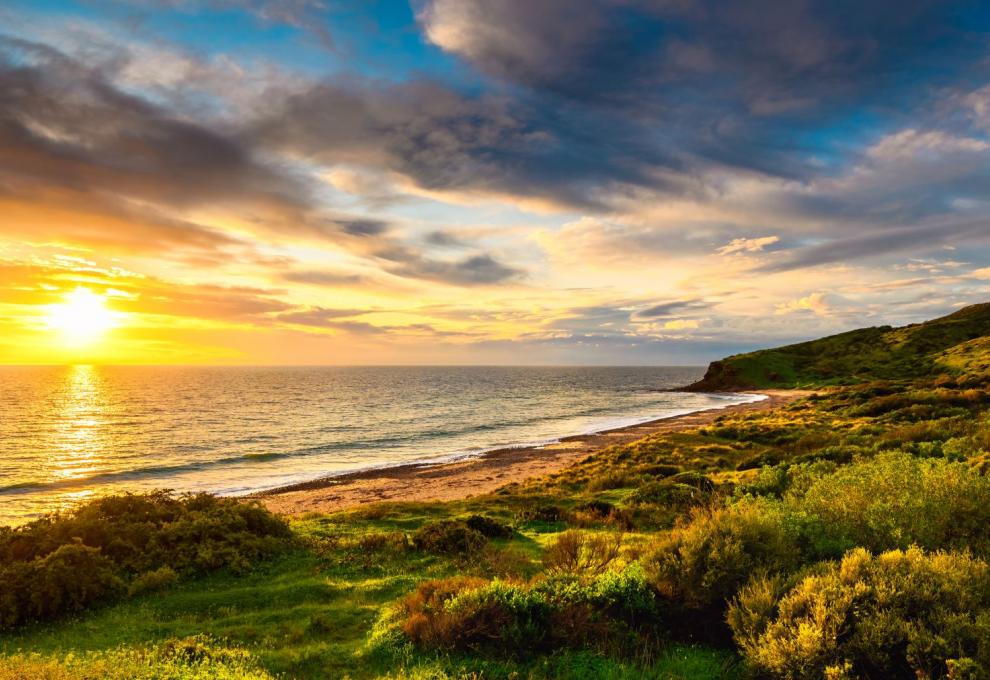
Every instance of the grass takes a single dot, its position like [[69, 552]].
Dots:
[[308, 615]]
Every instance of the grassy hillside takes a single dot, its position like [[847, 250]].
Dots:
[[940, 346], [845, 535]]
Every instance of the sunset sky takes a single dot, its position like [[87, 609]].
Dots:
[[484, 181]]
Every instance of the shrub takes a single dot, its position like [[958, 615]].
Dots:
[[776, 480], [662, 470], [448, 537], [669, 494], [899, 614], [896, 500], [139, 532], [488, 527], [695, 480], [426, 617], [891, 501], [598, 513], [577, 553], [509, 562], [611, 480], [382, 542], [600, 508], [543, 512], [614, 610], [701, 563], [153, 581], [64, 581], [66, 562]]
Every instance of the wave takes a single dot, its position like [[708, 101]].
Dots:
[[164, 471]]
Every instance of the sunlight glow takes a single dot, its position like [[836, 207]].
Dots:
[[83, 317]]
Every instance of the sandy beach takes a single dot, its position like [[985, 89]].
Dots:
[[487, 472]]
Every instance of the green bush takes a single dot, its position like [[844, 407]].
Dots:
[[613, 611], [669, 493], [897, 615], [64, 581], [701, 563], [795, 478], [896, 500], [618, 479], [140, 532], [448, 537], [580, 553], [488, 527], [153, 581], [66, 562], [543, 512]]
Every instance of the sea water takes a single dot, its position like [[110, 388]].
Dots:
[[69, 432]]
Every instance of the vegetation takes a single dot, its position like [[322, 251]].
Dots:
[[127, 544], [846, 535], [898, 614], [911, 352]]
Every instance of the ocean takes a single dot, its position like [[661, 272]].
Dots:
[[69, 432]]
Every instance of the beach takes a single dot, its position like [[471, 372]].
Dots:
[[486, 472]]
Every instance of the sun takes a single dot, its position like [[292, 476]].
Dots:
[[82, 317]]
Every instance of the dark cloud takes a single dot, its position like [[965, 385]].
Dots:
[[698, 84], [668, 310], [480, 269], [764, 56], [70, 139], [364, 227], [123, 168], [341, 320], [610, 99], [322, 317], [881, 243], [444, 239], [323, 278], [447, 141], [62, 124]]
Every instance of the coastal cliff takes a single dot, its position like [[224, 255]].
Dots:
[[951, 345]]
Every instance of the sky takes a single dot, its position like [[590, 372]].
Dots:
[[484, 181]]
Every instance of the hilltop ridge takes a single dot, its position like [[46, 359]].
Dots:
[[956, 346]]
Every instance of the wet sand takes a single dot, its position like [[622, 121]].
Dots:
[[484, 473]]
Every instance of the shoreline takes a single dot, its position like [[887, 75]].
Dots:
[[485, 472]]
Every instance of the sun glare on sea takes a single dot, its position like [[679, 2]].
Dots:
[[82, 317]]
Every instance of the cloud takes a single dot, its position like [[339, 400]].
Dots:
[[363, 227], [667, 310], [70, 140], [322, 317], [817, 303], [880, 242], [726, 86], [747, 245], [479, 269], [323, 278], [444, 239], [682, 324]]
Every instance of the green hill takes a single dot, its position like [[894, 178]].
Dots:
[[956, 345]]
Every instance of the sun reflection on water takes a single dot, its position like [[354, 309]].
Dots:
[[80, 439]]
